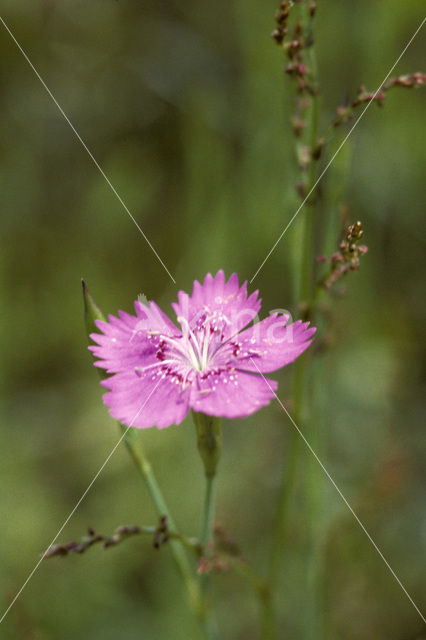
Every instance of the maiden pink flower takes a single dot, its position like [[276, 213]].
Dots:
[[211, 364]]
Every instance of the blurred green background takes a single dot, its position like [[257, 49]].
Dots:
[[185, 107]]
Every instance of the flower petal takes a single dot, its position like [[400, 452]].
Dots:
[[224, 305], [230, 393], [146, 399], [270, 344], [153, 319], [131, 341]]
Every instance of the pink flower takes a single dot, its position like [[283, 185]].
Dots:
[[211, 364]]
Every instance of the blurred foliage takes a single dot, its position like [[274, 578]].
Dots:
[[185, 107]]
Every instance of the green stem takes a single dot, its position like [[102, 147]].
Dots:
[[206, 535], [306, 288], [269, 623], [303, 411], [209, 442], [195, 597], [207, 522], [268, 616]]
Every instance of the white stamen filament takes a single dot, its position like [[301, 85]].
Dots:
[[196, 358], [206, 344], [156, 364]]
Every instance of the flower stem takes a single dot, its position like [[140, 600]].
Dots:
[[206, 535], [144, 468], [195, 597], [209, 442], [207, 522]]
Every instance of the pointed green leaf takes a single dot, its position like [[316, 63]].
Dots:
[[91, 311]]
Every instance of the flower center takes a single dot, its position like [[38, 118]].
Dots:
[[194, 351], [196, 346]]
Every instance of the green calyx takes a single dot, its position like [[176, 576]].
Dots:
[[209, 440]]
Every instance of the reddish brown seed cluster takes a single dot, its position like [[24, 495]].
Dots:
[[412, 80], [91, 539], [281, 18], [294, 34], [294, 43], [345, 113], [347, 258]]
